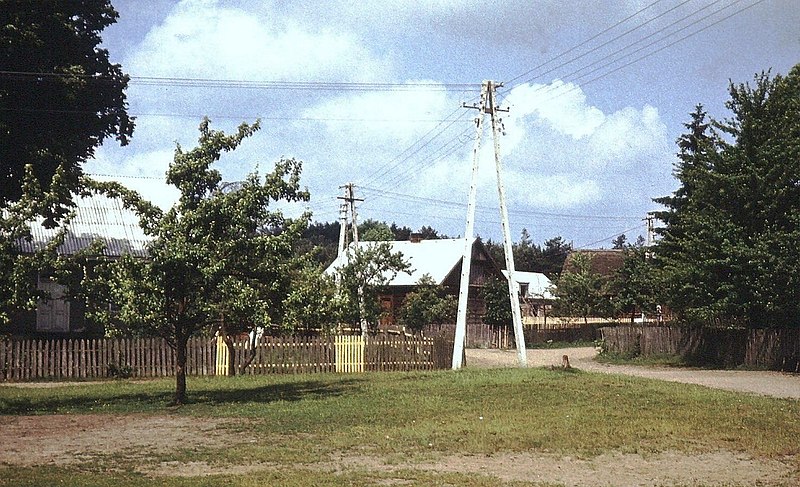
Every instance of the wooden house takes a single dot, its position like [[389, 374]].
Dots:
[[440, 259], [96, 218]]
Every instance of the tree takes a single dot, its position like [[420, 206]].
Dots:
[[368, 270], [581, 291], [313, 305], [731, 238], [375, 231], [497, 302], [60, 96], [427, 304], [636, 285], [219, 260], [619, 242]]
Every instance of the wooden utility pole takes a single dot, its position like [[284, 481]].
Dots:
[[348, 217], [488, 105], [348, 212]]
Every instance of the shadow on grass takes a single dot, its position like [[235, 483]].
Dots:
[[100, 399]]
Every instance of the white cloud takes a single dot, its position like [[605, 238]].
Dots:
[[399, 117], [565, 153], [202, 39]]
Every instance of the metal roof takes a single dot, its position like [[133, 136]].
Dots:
[[434, 257], [538, 284], [96, 218]]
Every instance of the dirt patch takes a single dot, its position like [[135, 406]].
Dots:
[[775, 384], [68, 439], [667, 468], [75, 439]]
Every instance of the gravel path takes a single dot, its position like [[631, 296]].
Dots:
[[773, 384]]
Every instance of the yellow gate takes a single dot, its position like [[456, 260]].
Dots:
[[223, 358], [349, 354]]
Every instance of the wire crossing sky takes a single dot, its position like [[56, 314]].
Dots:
[[372, 92]]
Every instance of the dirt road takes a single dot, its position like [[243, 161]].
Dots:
[[773, 384]]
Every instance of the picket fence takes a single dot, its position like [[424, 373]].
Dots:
[[26, 359]]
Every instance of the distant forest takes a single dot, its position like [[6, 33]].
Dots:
[[321, 239]]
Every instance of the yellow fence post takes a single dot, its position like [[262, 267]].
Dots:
[[349, 354], [223, 358]]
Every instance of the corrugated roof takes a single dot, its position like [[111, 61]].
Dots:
[[96, 218], [434, 257], [538, 284]]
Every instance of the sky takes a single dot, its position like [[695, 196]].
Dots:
[[373, 93]]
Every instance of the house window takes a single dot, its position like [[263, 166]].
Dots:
[[523, 289], [52, 315]]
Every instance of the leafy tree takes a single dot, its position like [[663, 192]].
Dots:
[[375, 231], [60, 96], [368, 270], [312, 304], [497, 302], [528, 256], [427, 232], [580, 291], [219, 260], [636, 285], [732, 230], [427, 304]]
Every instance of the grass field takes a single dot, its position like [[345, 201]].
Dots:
[[375, 429]]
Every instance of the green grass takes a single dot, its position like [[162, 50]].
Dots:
[[303, 419]]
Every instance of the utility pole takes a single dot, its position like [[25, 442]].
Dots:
[[348, 216], [651, 233], [488, 105], [347, 211]]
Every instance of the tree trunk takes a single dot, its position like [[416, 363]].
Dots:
[[180, 371], [231, 354]]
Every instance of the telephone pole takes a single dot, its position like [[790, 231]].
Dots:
[[487, 106], [348, 217]]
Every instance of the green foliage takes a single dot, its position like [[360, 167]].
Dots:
[[312, 305], [73, 96], [636, 286], [18, 279], [427, 304], [732, 230], [369, 269], [581, 291], [530, 257], [497, 302], [375, 231], [218, 259]]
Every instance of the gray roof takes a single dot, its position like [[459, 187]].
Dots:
[[538, 284], [434, 257], [96, 218]]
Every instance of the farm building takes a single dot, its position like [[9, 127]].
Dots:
[[534, 292], [441, 259], [96, 218]]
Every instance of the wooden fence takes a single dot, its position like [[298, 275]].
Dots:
[[341, 354], [25, 360], [486, 336], [773, 349]]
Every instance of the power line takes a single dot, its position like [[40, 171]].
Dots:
[[459, 205], [583, 43], [32, 76]]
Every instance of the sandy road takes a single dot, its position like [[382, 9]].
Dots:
[[773, 384]]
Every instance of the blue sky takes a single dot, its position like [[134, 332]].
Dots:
[[369, 92]]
